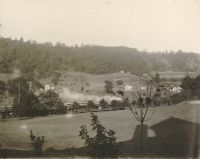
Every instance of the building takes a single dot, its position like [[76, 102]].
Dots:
[[128, 88], [176, 89]]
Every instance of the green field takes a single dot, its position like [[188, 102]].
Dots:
[[61, 131]]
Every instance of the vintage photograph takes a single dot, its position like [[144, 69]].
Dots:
[[99, 79]]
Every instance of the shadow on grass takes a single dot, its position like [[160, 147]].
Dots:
[[173, 138]]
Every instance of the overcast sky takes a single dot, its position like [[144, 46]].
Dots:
[[142, 24]]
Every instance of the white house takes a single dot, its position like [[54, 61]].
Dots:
[[48, 87], [176, 89], [128, 88]]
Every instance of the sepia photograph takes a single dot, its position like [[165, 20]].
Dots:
[[100, 79]]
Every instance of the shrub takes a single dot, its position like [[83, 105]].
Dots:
[[103, 144], [178, 97], [119, 82], [115, 104], [37, 143]]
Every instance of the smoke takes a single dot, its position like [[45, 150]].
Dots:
[[70, 96], [16, 73]]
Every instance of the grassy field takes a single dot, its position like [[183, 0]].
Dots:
[[61, 131], [176, 74]]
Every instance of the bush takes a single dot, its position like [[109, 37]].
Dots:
[[119, 82], [166, 101], [178, 97], [37, 143], [115, 104], [103, 144]]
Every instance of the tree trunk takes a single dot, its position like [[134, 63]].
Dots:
[[141, 138]]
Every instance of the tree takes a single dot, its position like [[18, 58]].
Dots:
[[189, 85], [115, 104], [103, 104], [103, 144], [197, 79], [45, 58], [52, 102], [36, 84], [76, 106], [2, 87], [82, 88], [90, 105], [119, 82], [25, 102], [140, 109], [108, 87], [120, 92], [187, 82], [29, 105], [156, 78], [124, 103], [156, 99], [17, 86]]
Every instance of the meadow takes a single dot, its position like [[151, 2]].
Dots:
[[61, 131]]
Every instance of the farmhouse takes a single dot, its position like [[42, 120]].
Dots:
[[176, 89]]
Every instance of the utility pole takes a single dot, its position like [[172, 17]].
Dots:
[[0, 27], [19, 92]]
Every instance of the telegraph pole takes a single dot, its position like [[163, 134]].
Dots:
[[19, 92], [188, 94], [0, 27]]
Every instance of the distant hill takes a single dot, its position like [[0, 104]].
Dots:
[[44, 59]]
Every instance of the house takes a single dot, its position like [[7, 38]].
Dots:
[[176, 89], [128, 88], [48, 87]]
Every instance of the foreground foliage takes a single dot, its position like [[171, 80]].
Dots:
[[37, 143], [103, 144]]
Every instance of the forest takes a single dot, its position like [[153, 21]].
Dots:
[[45, 58]]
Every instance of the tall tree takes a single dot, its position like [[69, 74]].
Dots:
[[140, 109], [90, 105], [156, 78], [108, 87], [52, 101], [2, 87]]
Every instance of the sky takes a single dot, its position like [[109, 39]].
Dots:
[[153, 25]]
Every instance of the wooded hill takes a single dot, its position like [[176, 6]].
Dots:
[[43, 58]]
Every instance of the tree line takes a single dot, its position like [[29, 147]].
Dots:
[[26, 102], [44, 58]]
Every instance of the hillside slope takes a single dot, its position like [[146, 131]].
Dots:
[[44, 58]]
